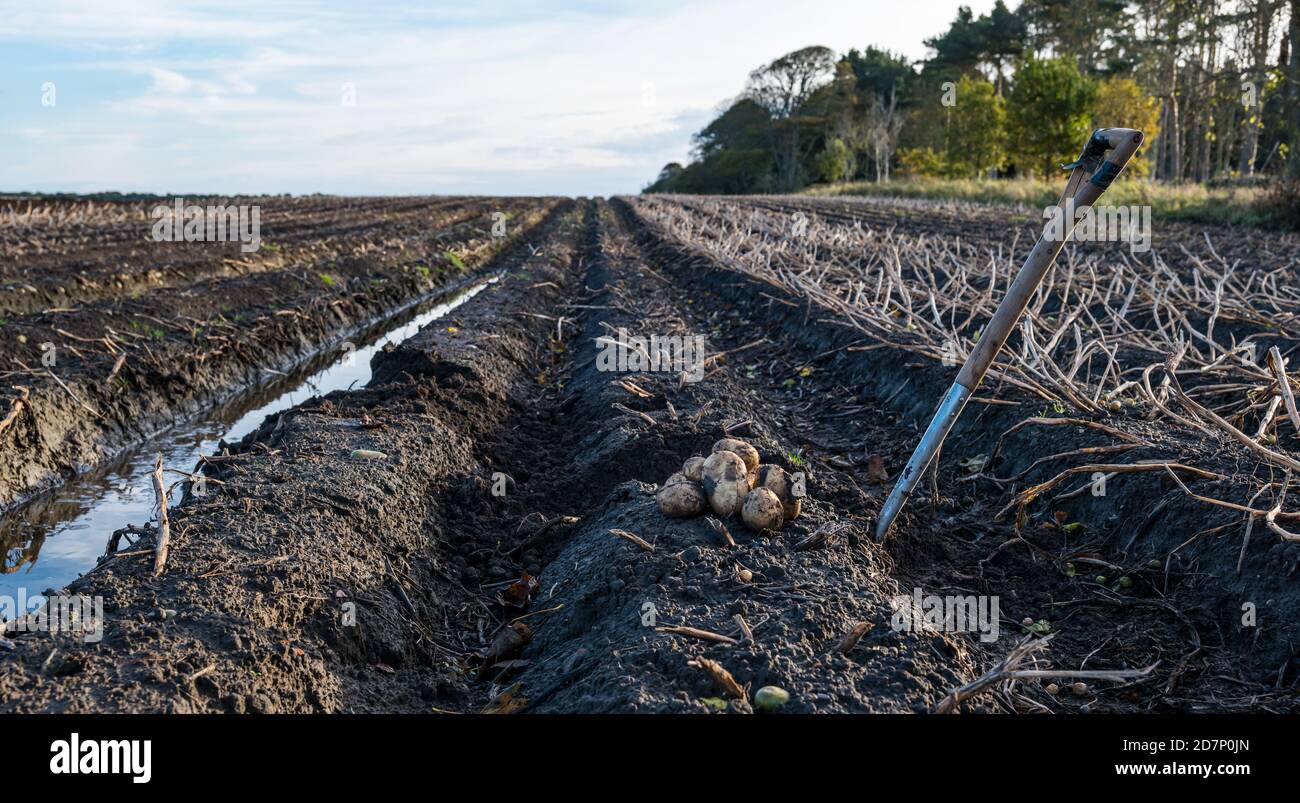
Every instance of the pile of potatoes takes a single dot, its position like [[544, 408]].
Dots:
[[731, 481]]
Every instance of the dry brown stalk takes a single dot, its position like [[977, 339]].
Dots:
[[1278, 363], [721, 676], [851, 639], [1009, 669], [695, 632], [635, 539], [164, 524], [15, 408], [1271, 518], [1029, 494], [746, 634]]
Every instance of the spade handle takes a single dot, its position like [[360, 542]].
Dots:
[[1105, 155], [1121, 144]]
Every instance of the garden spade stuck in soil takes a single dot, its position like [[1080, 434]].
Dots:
[[1107, 152]]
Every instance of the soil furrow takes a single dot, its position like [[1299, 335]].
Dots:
[[504, 398], [604, 651], [279, 216], [62, 280], [1183, 601], [123, 370], [315, 578], [445, 538]]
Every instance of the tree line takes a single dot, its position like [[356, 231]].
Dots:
[[1215, 84]]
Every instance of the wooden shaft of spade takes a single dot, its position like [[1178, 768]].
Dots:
[[1118, 146], [1040, 261]]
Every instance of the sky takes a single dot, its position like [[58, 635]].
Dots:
[[572, 97]]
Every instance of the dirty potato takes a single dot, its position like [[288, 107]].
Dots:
[[693, 467], [775, 479], [725, 482], [747, 453], [681, 500], [762, 511]]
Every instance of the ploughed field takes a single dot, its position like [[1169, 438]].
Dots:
[[479, 527]]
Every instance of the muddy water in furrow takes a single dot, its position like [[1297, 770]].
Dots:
[[48, 542]]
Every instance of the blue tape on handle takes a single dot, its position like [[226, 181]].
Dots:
[[1106, 174]]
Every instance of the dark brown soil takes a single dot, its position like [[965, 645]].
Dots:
[[317, 580], [1186, 616], [117, 261], [182, 349]]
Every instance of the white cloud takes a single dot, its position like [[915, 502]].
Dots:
[[448, 98], [169, 81]]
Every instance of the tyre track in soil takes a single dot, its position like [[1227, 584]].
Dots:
[[261, 571], [805, 600], [251, 613], [201, 358], [1186, 612], [597, 653]]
